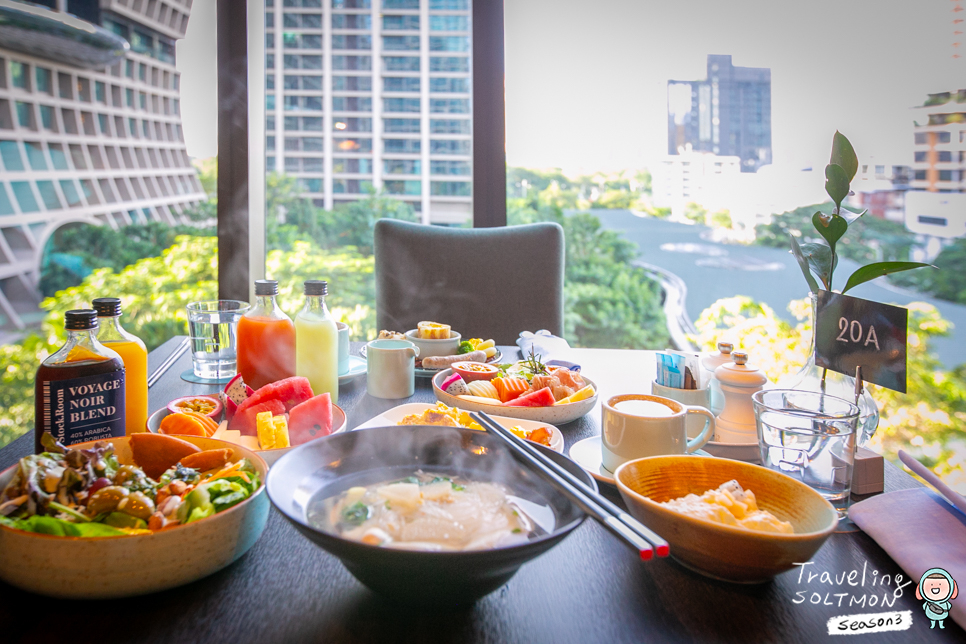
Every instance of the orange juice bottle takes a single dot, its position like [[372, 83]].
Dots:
[[135, 357], [266, 339]]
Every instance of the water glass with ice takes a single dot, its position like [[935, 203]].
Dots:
[[212, 329], [809, 436]]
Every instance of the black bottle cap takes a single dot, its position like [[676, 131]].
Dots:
[[315, 287], [266, 287], [80, 320], [107, 306]]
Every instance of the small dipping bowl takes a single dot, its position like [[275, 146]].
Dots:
[[429, 348], [475, 370]]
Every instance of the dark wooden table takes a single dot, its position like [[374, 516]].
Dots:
[[590, 588]]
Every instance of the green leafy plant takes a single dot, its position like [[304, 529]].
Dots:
[[820, 260]]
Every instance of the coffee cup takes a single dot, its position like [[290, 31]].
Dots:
[[343, 337], [391, 368], [639, 425], [689, 397]]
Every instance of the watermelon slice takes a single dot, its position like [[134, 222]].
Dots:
[[540, 398], [311, 419], [289, 391], [244, 419]]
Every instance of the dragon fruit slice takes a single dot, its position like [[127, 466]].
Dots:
[[236, 392], [455, 385]]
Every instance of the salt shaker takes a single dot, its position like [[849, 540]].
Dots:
[[711, 362], [739, 381]]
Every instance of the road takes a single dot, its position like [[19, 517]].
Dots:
[[713, 270]]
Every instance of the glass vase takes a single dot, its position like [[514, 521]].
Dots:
[[819, 379]]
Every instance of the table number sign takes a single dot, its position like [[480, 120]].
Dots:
[[851, 332]]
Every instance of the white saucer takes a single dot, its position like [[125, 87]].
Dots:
[[586, 454], [357, 367]]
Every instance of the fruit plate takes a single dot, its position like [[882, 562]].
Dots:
[[270, 455], [429, 373], [556, 415], [396, 414]]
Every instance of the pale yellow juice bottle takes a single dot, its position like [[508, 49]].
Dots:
[[135, 357], [317, 342]]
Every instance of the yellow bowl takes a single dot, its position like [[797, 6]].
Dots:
[[721, 551], [123, 566]]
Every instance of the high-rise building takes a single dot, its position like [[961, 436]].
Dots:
[[372, 94], [939, 164], [727, 114], [90, 128]]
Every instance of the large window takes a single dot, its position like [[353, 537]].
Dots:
[[98, 170]]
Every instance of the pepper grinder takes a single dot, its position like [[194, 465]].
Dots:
[[739, 381], [711, 362]]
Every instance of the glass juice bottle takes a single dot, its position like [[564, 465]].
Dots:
[[317, 342], [135, 357], [266, 339], [80, 388]]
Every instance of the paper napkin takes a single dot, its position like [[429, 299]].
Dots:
[[919, 530], [545, 344]]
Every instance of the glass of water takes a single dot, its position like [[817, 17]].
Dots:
[[212, 330], [809, 436]]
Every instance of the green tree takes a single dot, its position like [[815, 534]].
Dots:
[[608, 301], [76, 250], [721, 219], [948, 283], [696, 213]]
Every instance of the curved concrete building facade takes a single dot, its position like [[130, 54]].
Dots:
[[90, 128]]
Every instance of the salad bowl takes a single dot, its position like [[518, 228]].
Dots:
[[129, 565], [553, 415]]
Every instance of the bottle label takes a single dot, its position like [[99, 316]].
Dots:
[[85, 409]]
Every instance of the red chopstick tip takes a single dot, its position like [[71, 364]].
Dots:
[[663, 550], [647, 555]]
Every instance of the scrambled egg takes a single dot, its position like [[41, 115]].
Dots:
[[730, 505], [442, 416]]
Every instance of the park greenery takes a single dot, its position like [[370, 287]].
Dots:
[[156, 270]]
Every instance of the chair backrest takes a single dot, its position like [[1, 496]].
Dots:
[[483, 282]]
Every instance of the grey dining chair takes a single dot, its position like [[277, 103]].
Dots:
[[483, 282]]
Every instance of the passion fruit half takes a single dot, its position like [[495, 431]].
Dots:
[[208, 405]]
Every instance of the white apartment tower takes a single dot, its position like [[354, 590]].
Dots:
[[372, 94], [90, 127]]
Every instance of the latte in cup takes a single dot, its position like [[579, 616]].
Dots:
[[644, 408], [639, 425]]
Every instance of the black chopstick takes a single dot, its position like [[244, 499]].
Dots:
[[168, 362], [619, 522]]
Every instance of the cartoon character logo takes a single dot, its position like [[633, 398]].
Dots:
[[937, 588]]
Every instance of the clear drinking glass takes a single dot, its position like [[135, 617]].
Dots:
[[810, 436], [212, 328]]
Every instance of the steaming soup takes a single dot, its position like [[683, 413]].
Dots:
[[427, 512]]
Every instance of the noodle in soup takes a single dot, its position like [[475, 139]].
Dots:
[[426, 512]]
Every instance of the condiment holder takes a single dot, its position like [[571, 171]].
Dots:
[[739, 380]]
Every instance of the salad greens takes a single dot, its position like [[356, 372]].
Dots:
[[87, 493]]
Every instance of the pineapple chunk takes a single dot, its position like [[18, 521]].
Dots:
[[265, 428], [281, 432]]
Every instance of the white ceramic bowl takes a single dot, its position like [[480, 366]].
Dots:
[[270, 455], [428, 348], [553, 415], [108, 567]]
